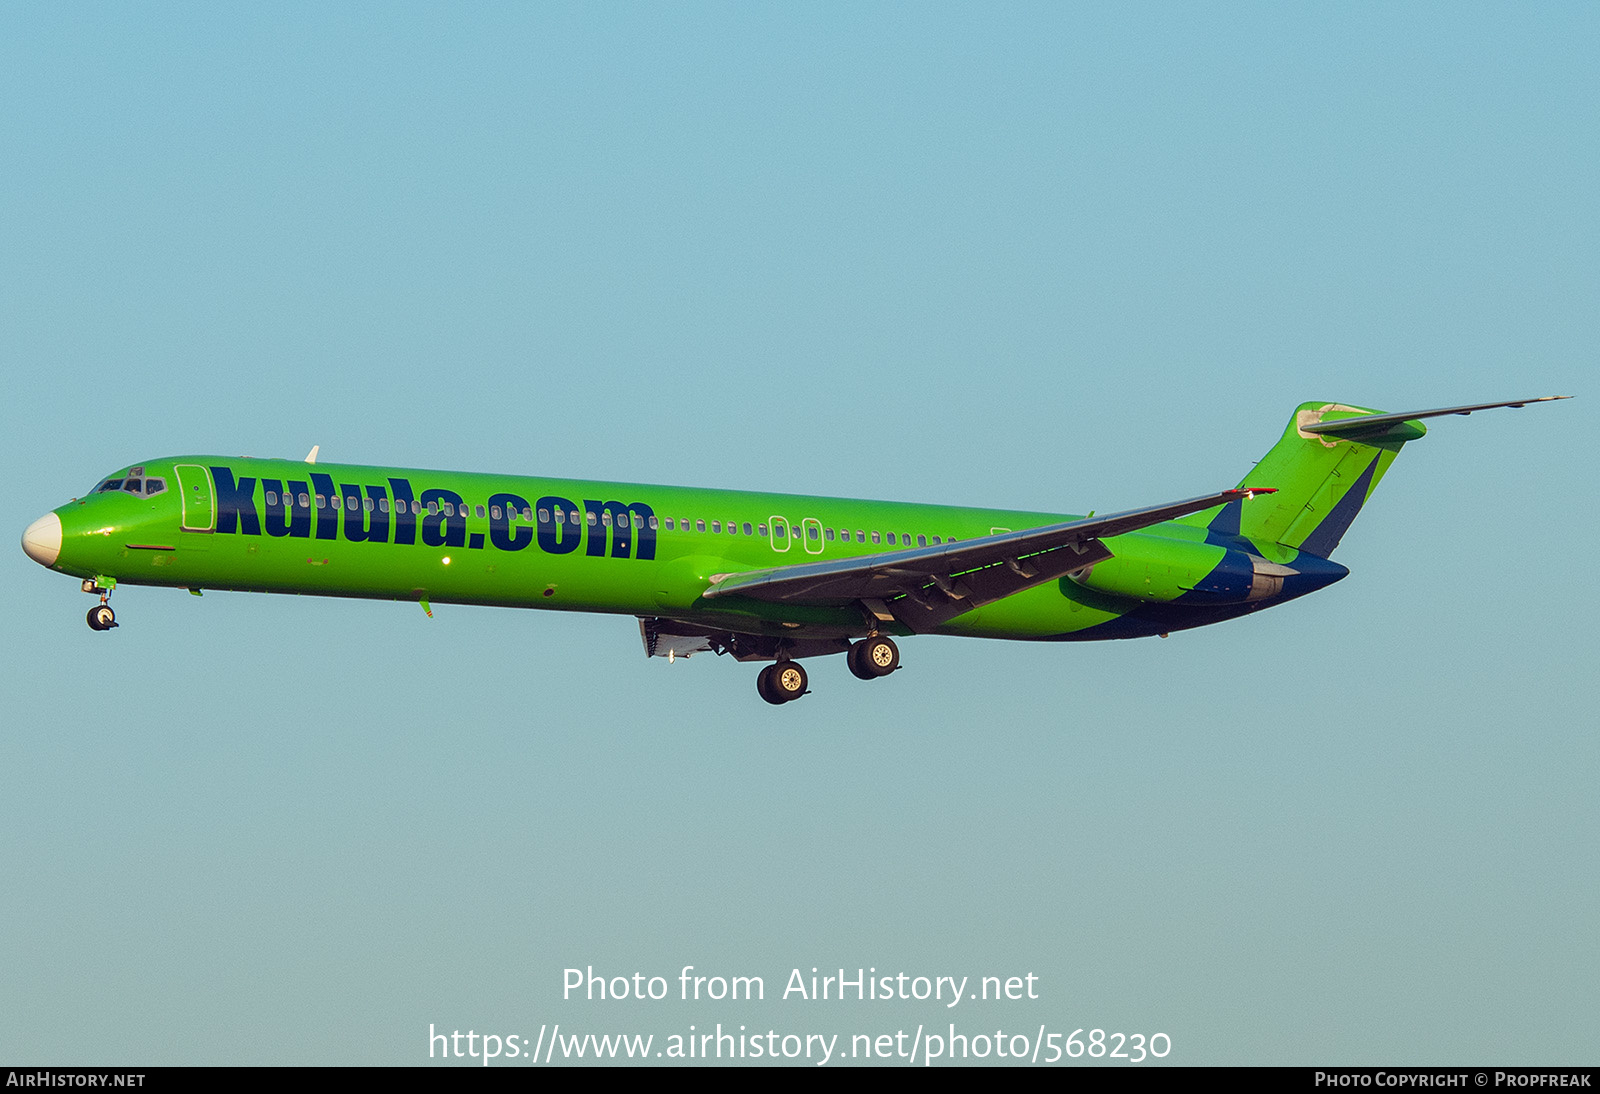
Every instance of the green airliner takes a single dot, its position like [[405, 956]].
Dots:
[[763, 577]]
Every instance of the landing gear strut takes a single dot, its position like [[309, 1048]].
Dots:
[[782, 682], [871, 658], [101, 617]]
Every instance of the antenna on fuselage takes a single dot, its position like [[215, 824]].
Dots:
[[311, 457]]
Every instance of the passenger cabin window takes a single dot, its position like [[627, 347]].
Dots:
[[272, 497], [716, 526], [699, 526], [480, 512], [875, 537], [747, 528], [891, 539]]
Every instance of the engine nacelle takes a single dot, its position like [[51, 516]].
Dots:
[[1156, 569]]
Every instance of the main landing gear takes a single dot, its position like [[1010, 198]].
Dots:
[[868, 659], [782, 682], [871, 658]]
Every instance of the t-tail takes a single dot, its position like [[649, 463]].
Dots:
[[1326, 465]]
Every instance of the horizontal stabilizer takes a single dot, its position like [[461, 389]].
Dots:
[[1371, 426]]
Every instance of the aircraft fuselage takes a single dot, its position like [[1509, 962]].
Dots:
[[652, 551]]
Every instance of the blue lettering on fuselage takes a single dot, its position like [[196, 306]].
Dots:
[[559, 530], [327, 511], [236, 504], [365, 520], [405, 521], [442, 527], [503, 533], [362, 513], [283, 516]]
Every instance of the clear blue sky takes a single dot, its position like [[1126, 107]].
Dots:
[[1047, 257]]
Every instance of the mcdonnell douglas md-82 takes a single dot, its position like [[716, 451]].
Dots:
[[763, 577]]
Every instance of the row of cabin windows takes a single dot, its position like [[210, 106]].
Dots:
[[433, 508], [813, 532], [562, 516]]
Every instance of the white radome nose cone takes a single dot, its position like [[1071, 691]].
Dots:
[[42, 540]]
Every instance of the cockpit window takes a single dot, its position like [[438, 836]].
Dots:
[[132, 485]]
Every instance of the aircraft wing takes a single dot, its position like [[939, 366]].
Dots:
[[924, 586]]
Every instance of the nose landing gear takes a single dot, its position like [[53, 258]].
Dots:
[[101, 617]]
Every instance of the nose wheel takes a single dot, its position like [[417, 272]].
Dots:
[[102, 618]]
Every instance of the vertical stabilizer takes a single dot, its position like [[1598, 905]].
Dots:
[[1322, 481]]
